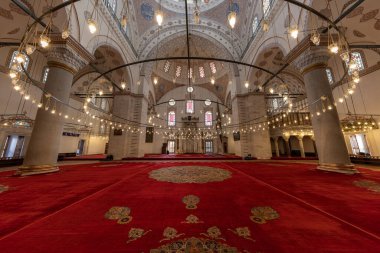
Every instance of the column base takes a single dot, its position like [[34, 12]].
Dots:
[[36, 170], [338, 168]]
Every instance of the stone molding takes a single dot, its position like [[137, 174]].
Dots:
[[311, 58]]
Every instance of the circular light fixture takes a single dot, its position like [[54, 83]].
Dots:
[[207, 102], [190, 89], [172, 102]]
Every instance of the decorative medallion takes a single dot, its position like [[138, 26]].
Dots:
[[214, 233], [3, 188], [191, 201], [193, 244], [147, 11], [136, 233], [262, 214], [190, 174], [119, 213], [192, 219], [242, 232], [368, 184], [170, 233]]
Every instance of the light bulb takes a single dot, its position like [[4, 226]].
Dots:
[[333, 47], [20, 58], [315, 38], [350, 91], [29, 49], [44, 41], [232, 19], [356, 79], [155, 80], [271, 91], [65, 33], [212, 80], [353, 65], [345, 56], [265, 25], [17, 87], [39, 105], [294, 32], [246, 84], [27, 97], [53, 111], [100, 92], [92, 26], [88, 100], [123, 85], [13, 73], [159, 17]]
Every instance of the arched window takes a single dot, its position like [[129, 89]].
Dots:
[[171, 118], [45, 74], [255, 24], [330, 76], [13, 64], [189, 106], [266, 7], [111, 4], [208, 118], [358, 59]]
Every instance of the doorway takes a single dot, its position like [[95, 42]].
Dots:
[[171, 147], [80, 147], [13, 146], [208, 147]]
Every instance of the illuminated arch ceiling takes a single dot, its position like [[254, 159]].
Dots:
[[174, 73]]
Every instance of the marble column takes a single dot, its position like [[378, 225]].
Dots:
[[302, 149], [41, 156], [287, 147], [332, 150], [276, 146]]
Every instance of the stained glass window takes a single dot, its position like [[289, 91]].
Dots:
[[167, 66], [14, 62], [330, 76], [255, 24], [171, 118], [45, 74], [201, 72], [357, 58], [213, 67], [266, 7], [189, 106], [208, 118]]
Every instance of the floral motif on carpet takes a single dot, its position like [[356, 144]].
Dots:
[[190, 174], [192, 219], [262, 214], [170, 233], [119, 213], [197, 245], [243, 232], [368, 184], [191, 201], [136, 233], [3, 188]]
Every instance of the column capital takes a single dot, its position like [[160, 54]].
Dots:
[[67, 54], [312, 58]]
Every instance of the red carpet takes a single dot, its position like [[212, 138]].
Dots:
[[185, 157], [296, 209]]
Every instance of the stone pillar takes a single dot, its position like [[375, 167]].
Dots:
[[302, 149], [41, 156], [287, 147], [332, 150], [276, 146]]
